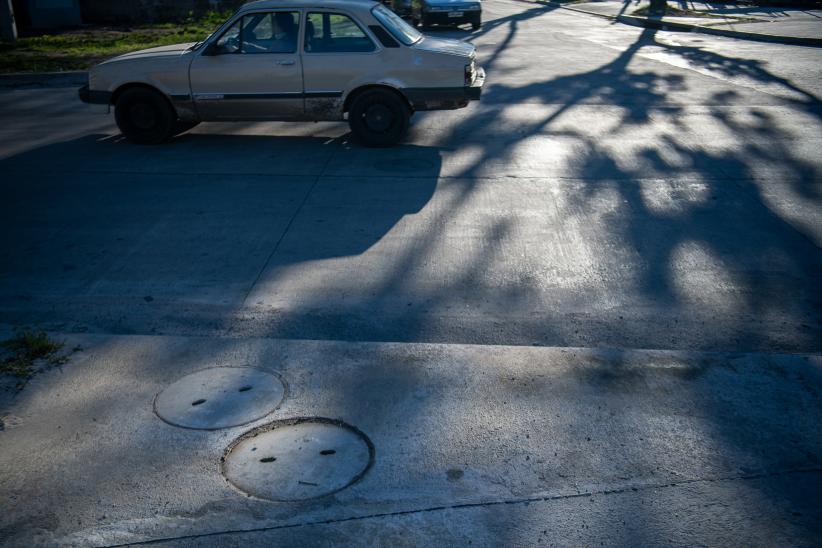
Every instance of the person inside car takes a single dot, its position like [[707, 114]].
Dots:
[[267, 34]]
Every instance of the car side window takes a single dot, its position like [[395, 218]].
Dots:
[[272, 32], [229, 42], [335, 33]]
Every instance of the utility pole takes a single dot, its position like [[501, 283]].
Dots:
[[8, 28]]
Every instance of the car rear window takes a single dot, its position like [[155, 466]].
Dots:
[[395, 24]]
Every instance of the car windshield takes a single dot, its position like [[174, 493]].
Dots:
[[401, 30], [204, 40]]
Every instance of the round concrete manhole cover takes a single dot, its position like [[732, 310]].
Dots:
[[298, 459], [220, 397]]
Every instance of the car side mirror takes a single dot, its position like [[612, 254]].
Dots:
[[212, 49]]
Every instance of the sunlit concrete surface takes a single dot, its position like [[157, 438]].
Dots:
[[616, 188]]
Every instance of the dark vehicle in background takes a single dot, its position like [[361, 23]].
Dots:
[[426, 13]]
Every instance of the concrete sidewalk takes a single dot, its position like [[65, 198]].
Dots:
[[784, 25], [482, 445]]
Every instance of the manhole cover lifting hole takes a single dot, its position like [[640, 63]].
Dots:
[[220, 397], [298, 459]]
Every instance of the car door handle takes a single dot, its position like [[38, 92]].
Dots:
[[289, 62]]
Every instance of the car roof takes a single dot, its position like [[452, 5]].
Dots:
[[332, 4]]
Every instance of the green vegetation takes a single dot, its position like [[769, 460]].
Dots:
[[81, 49], [28, 352]]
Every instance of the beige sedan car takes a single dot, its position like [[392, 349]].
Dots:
[[311, 60]]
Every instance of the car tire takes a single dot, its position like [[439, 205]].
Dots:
[[476, 26], [379, 118], [144, 116]]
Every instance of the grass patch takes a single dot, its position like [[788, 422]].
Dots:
[[30, 352], [83, 48]]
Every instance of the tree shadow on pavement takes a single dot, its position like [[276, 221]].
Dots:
[[670, 235], [198, 219], [710, 227]]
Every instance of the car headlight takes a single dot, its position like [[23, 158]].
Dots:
[[470, 73]]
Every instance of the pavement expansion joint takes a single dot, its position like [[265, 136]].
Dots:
[[469, 505]]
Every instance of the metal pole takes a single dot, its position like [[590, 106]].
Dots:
[[8, 28]]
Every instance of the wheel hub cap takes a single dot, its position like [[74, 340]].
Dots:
[[143, 116], [378, 118]]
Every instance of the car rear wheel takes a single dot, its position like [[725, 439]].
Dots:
[[144, 116], [379, 118]]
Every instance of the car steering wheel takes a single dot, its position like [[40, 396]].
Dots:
[[254, 46], [231, 45]]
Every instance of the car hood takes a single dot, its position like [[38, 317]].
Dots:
[[447, 46], [174, 50]]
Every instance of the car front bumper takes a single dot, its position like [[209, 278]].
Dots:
[[444, 17], [446, 98], [94, 97]]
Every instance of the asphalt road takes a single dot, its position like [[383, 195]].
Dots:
[[615, 188]]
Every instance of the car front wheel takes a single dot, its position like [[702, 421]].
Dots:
[[144, 116], [379, 118]]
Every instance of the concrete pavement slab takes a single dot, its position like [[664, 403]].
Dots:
[[636, 188], [457, 430], [806, 28], [657, 516], [146, 228], [785, 25]]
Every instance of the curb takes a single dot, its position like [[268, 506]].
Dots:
[[43, 79], [754, 36], [635, 21]]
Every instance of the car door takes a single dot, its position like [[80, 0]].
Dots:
[[253, 71], [336, 52]]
